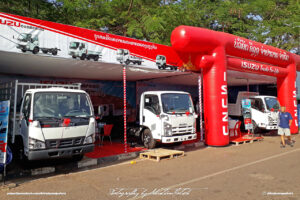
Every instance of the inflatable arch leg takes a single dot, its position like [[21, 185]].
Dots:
[[286, 90], [215, 100]]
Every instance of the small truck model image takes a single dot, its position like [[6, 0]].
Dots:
[[161, 63], [80, 50], [165, 117], [49, 121], [30, 42], [264, 110], [123, 56]]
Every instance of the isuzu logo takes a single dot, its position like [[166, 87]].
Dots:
[[10, 22]]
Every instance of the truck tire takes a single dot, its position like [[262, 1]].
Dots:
[[82, 57], [159, 67], [255, 127], [23, 50], [163, 66], [35, 50], [54, 52], [96, 58], [77, 157], [74, 56], [127, 62], [44, 51], [148, 140]]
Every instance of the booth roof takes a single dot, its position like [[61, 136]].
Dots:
[[49, 66]]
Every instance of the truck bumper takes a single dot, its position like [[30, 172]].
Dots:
[[178, 138], [273, 127], [60, 153]]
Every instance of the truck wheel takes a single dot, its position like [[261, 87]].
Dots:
[[255, 127], [44, 51], [77, 157], [54, 52], [23, 50], [127, 62], [148, 140], [74, 57], [163, 66], [159, 67], [35, 50], [96, 58], [88, 57], [82, 57]]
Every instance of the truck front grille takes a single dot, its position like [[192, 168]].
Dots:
[[181, 130], [64, 142]]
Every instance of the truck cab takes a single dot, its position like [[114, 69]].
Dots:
[[264, 110], [123, 56], [166, 117], [28, 42], [55, 123]]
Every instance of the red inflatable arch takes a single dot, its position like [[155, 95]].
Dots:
[[214, 53]]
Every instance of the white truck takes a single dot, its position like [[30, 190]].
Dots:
[[30, 42], [166, 117], [80, 50], [161, 63], [123, 56], [49, 120], [264, 110]]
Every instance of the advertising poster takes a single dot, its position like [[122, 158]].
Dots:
[[4, 115], [31, 36], [246, 107]]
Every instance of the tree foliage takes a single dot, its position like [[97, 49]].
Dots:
[[274, 22]]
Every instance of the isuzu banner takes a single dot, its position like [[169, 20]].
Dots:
[[32, 36], [4, 115]]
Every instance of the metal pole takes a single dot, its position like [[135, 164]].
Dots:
[[200, 104], [125, 109]]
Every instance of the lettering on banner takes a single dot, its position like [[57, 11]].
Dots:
[[295, 106], [224, 105], [259, 67], [255, 50], [10, 22]]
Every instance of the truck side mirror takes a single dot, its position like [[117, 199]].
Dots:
[[100, 110]]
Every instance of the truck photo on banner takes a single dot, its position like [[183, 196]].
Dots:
[[4, 114]]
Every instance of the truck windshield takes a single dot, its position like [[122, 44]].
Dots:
[[272, 103], [60, 104], [74, 45], [120, 51], [177, 103], [23, 37]]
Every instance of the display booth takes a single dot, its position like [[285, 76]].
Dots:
[[50, 52]]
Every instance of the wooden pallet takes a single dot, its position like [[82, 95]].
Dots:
[[244, 141], [159, 154]]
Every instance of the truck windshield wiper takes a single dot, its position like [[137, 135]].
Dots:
[[44, 117], [77, 116]]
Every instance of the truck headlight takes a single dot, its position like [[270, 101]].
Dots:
[[89, 139], [167, 129], [36, 144]]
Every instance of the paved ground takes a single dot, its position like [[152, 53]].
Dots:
[[261, 170]]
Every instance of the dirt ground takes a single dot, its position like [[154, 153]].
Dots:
[[260, 170]]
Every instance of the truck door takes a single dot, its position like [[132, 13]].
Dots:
[[151, 115], [25, 114]]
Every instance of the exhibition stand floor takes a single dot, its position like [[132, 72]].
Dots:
[[116, 147]]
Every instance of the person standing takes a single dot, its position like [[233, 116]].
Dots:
[[285, 121]]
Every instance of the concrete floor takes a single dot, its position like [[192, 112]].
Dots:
[[260, 170]]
